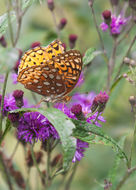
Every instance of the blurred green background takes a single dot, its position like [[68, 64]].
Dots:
[[38, 26]]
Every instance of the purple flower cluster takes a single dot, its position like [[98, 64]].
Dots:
[[10, 104], [116, 24], [85, 102], [33, 127]]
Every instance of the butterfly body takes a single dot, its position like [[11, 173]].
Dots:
[[50, 71]]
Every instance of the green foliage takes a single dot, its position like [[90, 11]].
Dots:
[[4, 19], [8, 57], [64, 127], [113, 172], [90, 54], [94, 135], [7, 128]]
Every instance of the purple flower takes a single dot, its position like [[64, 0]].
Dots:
[[14, 78], [9, 104], [104, 26], [80, 80], [84, 102], [34, 126], [80, 148], [116, 24]]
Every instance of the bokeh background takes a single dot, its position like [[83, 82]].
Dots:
[[38, 26]]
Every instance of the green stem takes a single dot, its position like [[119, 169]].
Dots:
[[126, 54], [68, 184], [35, 162], [55, 23], [8, 127], [111, 64], [27, 180], [99, 34], [2, 101], [14, 151], [132, 145], [48, 162], [126, 176], [9, 22]]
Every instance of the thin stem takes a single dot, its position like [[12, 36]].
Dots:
[[19, 21], [124, 179], [35, 162], [126, 54], [9, 22], [14, 151], [111, 64], [6, 172], [96, 118], [48, 162], [67, 187], [2, 101], [99, 34], [27, 180], [55, 23], [132, 145]]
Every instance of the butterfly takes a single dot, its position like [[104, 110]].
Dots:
[[50, 71]]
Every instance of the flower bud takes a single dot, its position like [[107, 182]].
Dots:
[[132, 101], [126, 60], [64, 45], [99, 102], [50, 4], [114, 2], [35, 44], [107, 16], [38, 156], [14, 117], [29, 160], [16, 66], [18, 95], [77, 111], [132, 4], [3, 41], [62, 23], [57, 160], [72, 40], [90, 3]]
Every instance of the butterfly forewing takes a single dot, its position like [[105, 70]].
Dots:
[[56, 77], [39, 55]]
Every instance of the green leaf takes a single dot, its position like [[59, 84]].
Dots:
[[113, 172], [94, 135], [4, 21], [64, 127], [7, 128], [8, 57], [27, 3], [4, 17], [90, 55]]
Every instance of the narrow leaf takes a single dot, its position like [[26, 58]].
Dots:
[[7, 128], [64, 127], [113, 172], [4, 17], [94, 135], [90, 55]]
